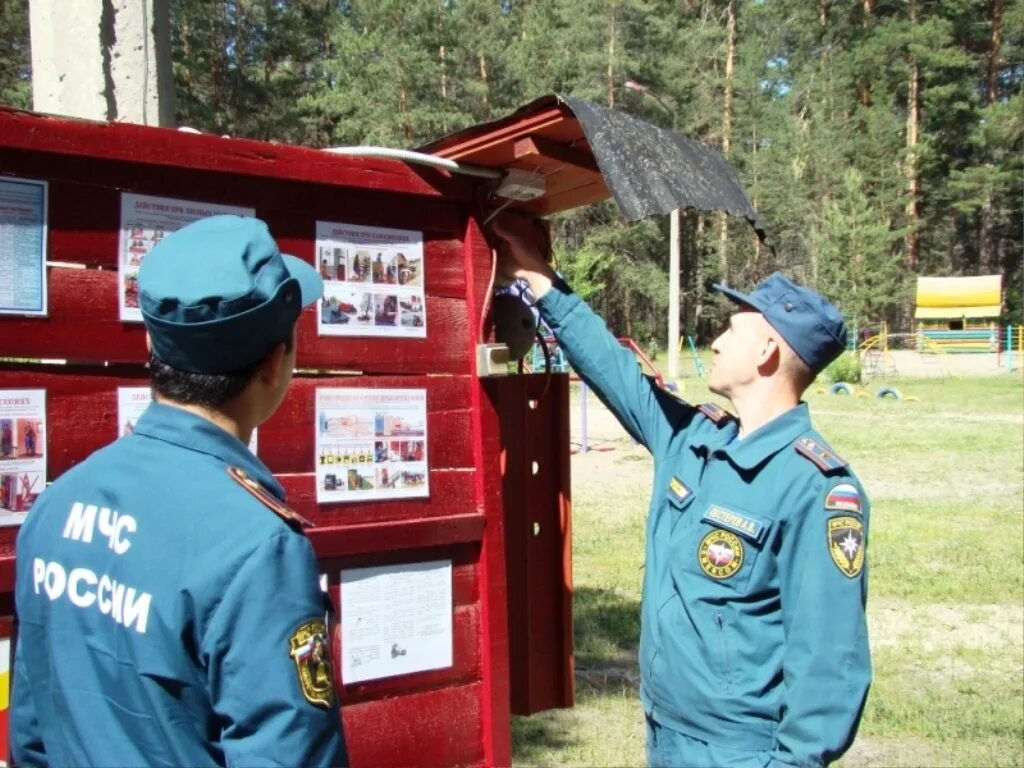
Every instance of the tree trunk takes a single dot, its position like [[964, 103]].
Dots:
[[987, 258], [730, 67], [611, 59], [864, 84], [444, 89], [911, 244], [487, 86]]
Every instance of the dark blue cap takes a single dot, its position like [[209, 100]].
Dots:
[[805, 319], [218, 294]]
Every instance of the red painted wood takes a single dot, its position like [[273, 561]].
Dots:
[[143, 149], [537, 540], [488, 447], [83, 326], [432, 729], [455, 716], [393, 535]]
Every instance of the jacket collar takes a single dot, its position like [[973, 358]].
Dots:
[[768, 439], [191, 432]]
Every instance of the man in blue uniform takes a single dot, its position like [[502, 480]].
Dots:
[[169, 605], [753, 642]]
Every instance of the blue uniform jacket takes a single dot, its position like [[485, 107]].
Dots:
[[167, 615], [753, 632]]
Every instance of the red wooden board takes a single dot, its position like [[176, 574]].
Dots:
[[432, 729], [454, 716]]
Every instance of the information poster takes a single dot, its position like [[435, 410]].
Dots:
[[145, 221], [371, 444], [395, 619], [132, 401], [22, 452], [22, 247], [373, 281]]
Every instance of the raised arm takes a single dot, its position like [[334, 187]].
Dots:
[[651, 415]]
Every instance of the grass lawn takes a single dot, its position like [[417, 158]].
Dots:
[[945, 471]]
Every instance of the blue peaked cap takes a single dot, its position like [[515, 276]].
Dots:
[[218, 294], [808, 322]]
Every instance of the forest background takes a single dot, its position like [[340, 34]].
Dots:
[[878, 139]]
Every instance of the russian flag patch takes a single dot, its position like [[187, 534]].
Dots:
[[844, 497]]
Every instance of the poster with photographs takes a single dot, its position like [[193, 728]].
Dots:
[[371, 444], [22, 247], [22, 451], [145, 221], [373, 281], [395, 620], [132, 401]]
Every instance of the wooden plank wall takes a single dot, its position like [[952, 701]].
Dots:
[[456, 716]]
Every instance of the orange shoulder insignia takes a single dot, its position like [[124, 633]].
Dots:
[[819, 455], [290, 516], [717, 415]]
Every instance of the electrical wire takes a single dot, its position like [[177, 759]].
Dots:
[[419, 158]]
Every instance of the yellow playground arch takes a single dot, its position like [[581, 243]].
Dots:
[[959, 314]]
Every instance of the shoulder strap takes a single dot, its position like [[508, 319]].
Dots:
[[717, 415], [822, 457], [290, 516]]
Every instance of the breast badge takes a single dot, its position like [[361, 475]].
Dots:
[[846, 544], [310, 650], [720, 554]]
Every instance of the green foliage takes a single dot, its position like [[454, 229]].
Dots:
[[845, 368], [15, 55]]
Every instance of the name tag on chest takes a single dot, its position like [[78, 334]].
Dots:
[[747, 526]]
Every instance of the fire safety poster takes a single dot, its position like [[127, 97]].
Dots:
[[371, 444], [395, 620], [145, 221], [22, 452], [373, 281]]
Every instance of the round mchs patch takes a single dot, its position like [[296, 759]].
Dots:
[[720, 554]]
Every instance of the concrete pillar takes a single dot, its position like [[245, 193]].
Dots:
[[103, 59]]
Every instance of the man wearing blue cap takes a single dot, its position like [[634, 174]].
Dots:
[[169, 605], [753, 641]]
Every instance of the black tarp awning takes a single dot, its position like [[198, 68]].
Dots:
[[585, 151]]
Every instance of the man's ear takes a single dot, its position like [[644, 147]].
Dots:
[[149, 344], [769, 354]]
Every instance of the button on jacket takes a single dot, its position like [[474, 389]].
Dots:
[[190, 594], [753, 633]]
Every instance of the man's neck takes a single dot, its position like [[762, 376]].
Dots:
[[757, 408], [230, 418]]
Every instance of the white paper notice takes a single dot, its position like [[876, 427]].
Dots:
[[373, 281], [22, 451], [22, 247], [371, 444], [145, 221], [395, 619], [132, 401]]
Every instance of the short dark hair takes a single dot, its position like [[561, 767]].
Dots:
[[210, 390]]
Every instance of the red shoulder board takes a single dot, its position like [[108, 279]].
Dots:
[[290, 516], [717, 415], [819, 455]]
